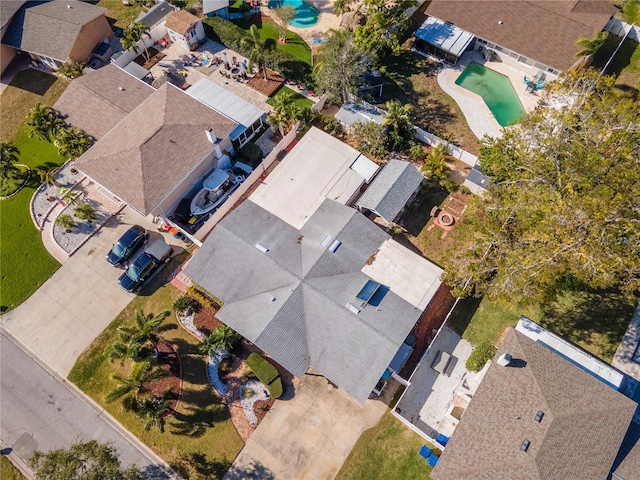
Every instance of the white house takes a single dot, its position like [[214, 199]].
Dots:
[[185, 29]]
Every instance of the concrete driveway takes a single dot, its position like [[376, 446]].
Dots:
[[306, 437], [61, 319]]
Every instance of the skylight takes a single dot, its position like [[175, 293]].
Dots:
[[335, 245], [262, 248]]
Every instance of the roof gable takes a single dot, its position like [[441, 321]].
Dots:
[[180, 20]]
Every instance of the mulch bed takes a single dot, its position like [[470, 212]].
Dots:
[[154, 57], [269, 86], [262, 407], [206, 321], [170, 361]]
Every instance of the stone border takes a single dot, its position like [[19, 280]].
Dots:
[[260, 392], [102, 217], [23, 183]]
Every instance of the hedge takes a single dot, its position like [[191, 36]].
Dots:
[[251, 154], [266, 373], [480, 356]]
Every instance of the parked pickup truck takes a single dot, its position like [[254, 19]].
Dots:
[[143, 267]]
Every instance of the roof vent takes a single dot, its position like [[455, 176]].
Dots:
[[525, 445], [326, 241], [539, 415], [504, 359], [262, 248], [121, 89], [69, 7], [335, 245], [353, 308], [211, 135]]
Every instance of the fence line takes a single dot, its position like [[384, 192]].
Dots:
[[620, 28], [453, 150]]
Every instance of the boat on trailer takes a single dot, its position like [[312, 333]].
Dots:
[[216, 188]]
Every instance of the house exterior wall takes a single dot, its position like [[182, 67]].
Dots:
[[193, 36], [514, 59], [6, 55], [90, 35]]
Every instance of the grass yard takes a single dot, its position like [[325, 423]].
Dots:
[[199, 441], [118, 14], [295, 44], [387, 451], [300, 100], [595, 321], [434, 110], [26, 264], [8, 471], [625, 65], [25, 90]]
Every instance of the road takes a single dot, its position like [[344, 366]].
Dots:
[[42, 411]]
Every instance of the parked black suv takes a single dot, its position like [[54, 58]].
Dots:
[[154, 256], [132, 239]]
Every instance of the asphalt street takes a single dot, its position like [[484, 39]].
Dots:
[[41, 411]]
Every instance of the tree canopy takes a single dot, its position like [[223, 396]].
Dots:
[[386, 23], [564, 206], [82, 461]]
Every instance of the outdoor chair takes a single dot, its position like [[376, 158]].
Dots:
[[530, 87], [442, 439], [425, 452], [539, 76], [433, 460]]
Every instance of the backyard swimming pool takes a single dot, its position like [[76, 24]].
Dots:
[[496, 91], [307, 15]]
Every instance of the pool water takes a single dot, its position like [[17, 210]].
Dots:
[[496, 91], [307, 16]]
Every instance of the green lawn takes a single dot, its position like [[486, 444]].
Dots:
[[299, 100], [625, 65], [118, 14], [595, 321], [26, 264], [200, 440], [295, 45], [8, 471], [387, 451]]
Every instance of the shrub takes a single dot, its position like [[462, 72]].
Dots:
[[186, 303], [481, 355], [251, 154], [450, 185], [201, 297], [266, 373], [225, 32], [84, 211], [65, 221], [332, 126]]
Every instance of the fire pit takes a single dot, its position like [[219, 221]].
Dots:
[[446, 219]]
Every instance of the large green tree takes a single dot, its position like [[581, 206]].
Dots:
[[258, 48], [82, 461], [338, 66], [134, 387], [146, 328], [564, 207], [385, 26], [45, 122], [72, 142], [399, 123]]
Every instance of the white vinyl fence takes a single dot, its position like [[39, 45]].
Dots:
[[620, 28]]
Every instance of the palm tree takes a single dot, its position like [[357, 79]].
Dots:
[[65, 221], [48, 176], [130, 388], [589, 46], [399, 122], [139, 30], [222, 337], [44, 121], [84, 211], [340, 7], [258, 49], [124, 348], [154, 410], [146, 328], [72, 142], [8, 158]]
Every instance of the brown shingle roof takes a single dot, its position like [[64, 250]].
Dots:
[[579, 436], [152, 150], [96, 103], [540, 29], [180, 20]]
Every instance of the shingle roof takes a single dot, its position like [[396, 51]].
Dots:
[[152, 150], [155, 14], [542, 30], [579, 436], [391, 189], [291, 301], [8, 8], [627, 464], [99, 100], [50, 28], [180, 20]]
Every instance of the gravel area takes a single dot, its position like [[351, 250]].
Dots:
[[71, 240], [186, 320], [40, 206], [260, 392], [213, 362]]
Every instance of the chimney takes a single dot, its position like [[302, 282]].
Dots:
[[504, 360], [211, 136]]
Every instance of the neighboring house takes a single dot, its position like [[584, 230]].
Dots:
[[528, 34], [8, 9], [215, 8], [56, 32], [159, 151], [156, 15], [353, 111], [251, 121], [185, 29], [476, 181], [545, 409], [321, 286], [395, 186], [627, 357], [98, 100]]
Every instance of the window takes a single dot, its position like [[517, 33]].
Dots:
[[525, 60]]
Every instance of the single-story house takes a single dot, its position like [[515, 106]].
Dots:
[[185, 29], [310, 280], [7, 10], [353, 111], [251, 121], [216, 8], [53, 32], [100, 99], [530, 35], [395, 186], [160, 150], [156, 15], [544, 409]]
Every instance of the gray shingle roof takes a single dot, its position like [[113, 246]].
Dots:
[[155, 14], [8, 8], [583, 425], [391, 189], [96, 103], [291, 301], [50, 28], [137, 159]]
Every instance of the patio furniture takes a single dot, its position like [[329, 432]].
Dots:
[[433, 460], [442, 439], [527, 80], [539, 76], [530, 87], [441, 362], [541, 84], [425, 452]]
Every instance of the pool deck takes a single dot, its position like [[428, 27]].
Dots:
[[478, 116], [327, 21]]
